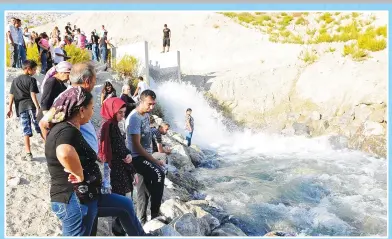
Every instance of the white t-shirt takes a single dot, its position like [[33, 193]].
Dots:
[[58, 59], [14, 33], [142, 87], [27, 37]]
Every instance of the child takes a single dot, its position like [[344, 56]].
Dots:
[[23, 91], [141, 86], [189, 126]]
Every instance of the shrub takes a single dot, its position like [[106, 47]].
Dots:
[[324, 37], [309, 56], [300, 21], [311, 32], [327, 17], [127, 66], [331, 49], [371, 43], [381, 31], [354, 14], [8, 56], [355, 52], [286, 20], [230, 14], [77, 54], [32, 53], [246, 17]]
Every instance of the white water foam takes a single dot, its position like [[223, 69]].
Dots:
[[272, 182]]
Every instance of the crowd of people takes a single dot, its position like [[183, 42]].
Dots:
[[127, 145], [50, 47]]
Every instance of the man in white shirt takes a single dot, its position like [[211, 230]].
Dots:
[[102, 32], [59, 54], [27, 36], [141, 86], [21, 44], [12, 40]]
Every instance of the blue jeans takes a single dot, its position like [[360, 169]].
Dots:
[[22, 55], [44, 62], [26, 119], [77, 219], [188, 137], [95, 51], [104, 53], [14, 54]]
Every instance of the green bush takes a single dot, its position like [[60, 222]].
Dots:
[[32, 53], [327, 17], [309, 56], [246, 17], [371, 43], [356, 53], [77, 54], [381, 31], [127, 66], [8, 56]]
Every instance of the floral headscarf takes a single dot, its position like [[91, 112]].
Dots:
[[65, 104]]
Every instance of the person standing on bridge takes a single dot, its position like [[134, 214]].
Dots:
[[166, 38]]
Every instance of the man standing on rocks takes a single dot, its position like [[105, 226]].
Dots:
[[139, 139], [166, 38]]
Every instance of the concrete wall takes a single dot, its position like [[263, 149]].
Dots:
[[165, 66]]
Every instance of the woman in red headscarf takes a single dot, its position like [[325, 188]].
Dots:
[[113, 151], [112, 147]]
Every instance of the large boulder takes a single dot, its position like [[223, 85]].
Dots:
[[187, 225], [197, 156], [180, 159]]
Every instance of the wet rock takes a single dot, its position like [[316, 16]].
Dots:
[[197, 156], [187, 225], [168, 231], [153, 225], [180, 159], [228, 229], [301, 129], [338, 141], [279, 234]]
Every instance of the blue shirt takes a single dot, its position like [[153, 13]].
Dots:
[[89, 134]]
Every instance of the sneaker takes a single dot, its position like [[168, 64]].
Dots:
[[29, 156]]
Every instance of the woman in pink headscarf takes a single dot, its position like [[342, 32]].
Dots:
[[53, 85]]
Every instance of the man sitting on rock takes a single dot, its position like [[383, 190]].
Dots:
[[139, 138], [159, 153]]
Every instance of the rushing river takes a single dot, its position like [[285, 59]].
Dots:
[[271, 182]]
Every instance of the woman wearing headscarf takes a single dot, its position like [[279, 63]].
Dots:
[[75, 176], [113, 151], [53, 85]]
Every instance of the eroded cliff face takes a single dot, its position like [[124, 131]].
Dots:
[[334, 95]]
